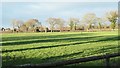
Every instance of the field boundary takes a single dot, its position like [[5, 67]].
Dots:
[[72, 61]]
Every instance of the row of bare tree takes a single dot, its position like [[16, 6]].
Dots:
[[89, 21]]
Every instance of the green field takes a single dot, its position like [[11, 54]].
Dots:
[[36, 48]]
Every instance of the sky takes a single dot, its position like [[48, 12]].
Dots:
[[60, 0], [43, 10]]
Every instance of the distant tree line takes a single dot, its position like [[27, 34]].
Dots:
[[89, 22]]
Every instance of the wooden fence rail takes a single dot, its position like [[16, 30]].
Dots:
[[67, 62]]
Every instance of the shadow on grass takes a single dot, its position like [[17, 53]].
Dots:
[[50, 59], [70, 44], [40, 37], [58, 39], [102, 50], [49, 40], [19, 61]]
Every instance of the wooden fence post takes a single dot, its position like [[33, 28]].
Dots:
[[107, 62]]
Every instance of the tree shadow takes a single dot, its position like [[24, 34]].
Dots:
[[40, 37], [12, 61], [43, 47], [48, 40], [57, 58], [69, 44], [30, 61], [102, 50]]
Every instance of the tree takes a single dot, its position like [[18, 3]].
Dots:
[[32, 24], [52, 23], [73, 23], [99, 22], [2, 29], [89, 19], [60, 23], [16, 24], [23, 28], [46, 29], [112, 17]]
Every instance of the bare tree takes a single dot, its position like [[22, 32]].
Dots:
[[73, 23], [60, 22], [99, 22], [52, 23], [89, 19], [112, 17], [16, 24], [23, 28], [32, 24]]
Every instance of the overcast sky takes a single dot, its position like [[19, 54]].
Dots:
[[43, 10]]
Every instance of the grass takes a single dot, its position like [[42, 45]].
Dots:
[[36, 48]]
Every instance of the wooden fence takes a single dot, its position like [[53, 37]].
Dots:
[[68, 62]]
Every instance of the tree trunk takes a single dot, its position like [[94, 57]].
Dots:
[[51, 30], [13, 29], [45, 30], [60, 30]]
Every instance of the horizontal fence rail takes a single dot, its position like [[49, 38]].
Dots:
[[67, 62]]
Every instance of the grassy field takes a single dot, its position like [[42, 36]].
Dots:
[[35, 48]]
